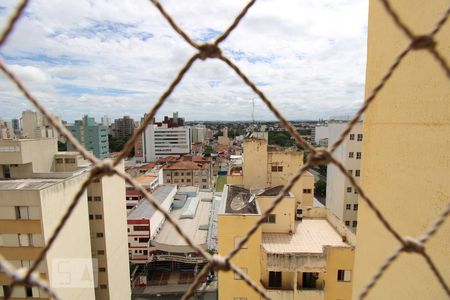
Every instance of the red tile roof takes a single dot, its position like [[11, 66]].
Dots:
[[187, 165]]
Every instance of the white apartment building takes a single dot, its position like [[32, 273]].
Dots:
[[198, 133], [89, 257], [162, 141], [318, 133], [342, 198]]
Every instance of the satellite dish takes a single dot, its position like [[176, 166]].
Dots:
[[238, 202]]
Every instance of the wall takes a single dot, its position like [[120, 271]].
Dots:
[[406, 157], [338, 259], [255, 164], [285, 214]]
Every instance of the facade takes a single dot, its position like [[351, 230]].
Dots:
[[106, 121], [406, 162], [342, 198], [92, 136], [6, 130], [35, 126], [291, 259], [189, 171], [198, 134], [36, 186], [318, 133], [123, 127], [161, 141], [138, 148], [223, 139]]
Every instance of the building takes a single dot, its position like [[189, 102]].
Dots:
[[189, 170], [267, 166], [223, 139], [138, 148], [106, 121], [311, 258], [92, 136], [6, 130], [198, 134], [123, 127], [319, 132], [165, 139], [342, 198], [148, 182], [16, 127], [406, 157], [37, 184], [35, 126], [144, 222]]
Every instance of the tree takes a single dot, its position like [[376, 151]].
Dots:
[[320, 188], [322, 169], [207, 151]]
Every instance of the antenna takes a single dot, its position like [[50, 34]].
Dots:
[[253, 110]]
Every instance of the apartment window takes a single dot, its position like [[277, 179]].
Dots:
[[355, 223], [59, 160], [356, 191], [22, 213], [102, 269], [143, 240], [237, 277], [237, 240], [359, 137], [89, 198], [349, 189], [355, 207], [307, 191], [358, 155], [99, 234], [101, 252], [188, 180], [97, 199], [270, 218], [352, 137], [176, 174], [344, 275], [98, 217], [6, 171], [277, 168], [204, 187], [357, 173], [350, 155], [347, 223], [25, 239], [69, 160], [182, 180], [188, 173], [348, 206], [141, 228], [29, 292], [274, 279], [203, 180], [103, 286], [91, 217]]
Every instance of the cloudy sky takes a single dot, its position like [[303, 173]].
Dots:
[[117, 57]]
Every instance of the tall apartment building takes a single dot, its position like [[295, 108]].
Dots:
[[37, 184], [35, 126], [123, 127], [6, 130], [161, 140], [342, 198], [105, 120], [286, 257], [198, 134], [406, 163], [319, 132], [92, 136]]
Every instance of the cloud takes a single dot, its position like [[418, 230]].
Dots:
[[116, 57]]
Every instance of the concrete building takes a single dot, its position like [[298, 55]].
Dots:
[[37, 184], [92, 136], [161, 141], [289, 258], [35, 126], [6, 130], [223, 139], [138, 148], [123, 127], [189, 171], [406, 158], [318, 133], [342, 198], [198, 134], [16, 127], [105, 121]]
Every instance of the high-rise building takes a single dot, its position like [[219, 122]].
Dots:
[[16, 127], [406, 156], [319, 133], [198, 134], [6, 130], [106, 121], [37, 184], [35, 126], [342, 197], [123, 127], [92, 136]]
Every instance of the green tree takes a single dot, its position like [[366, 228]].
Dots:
[[320, 188], [207, 151]]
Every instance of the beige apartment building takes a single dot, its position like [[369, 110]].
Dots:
[[35, 126], [189, 170], [406, 155], [308, 259], [89, 258], [342, 197]]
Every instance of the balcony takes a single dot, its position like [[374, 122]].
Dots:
[[310, 294]]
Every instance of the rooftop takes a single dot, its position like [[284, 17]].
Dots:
[[239, 200], [187, 165], [143, 179], [311, 236], [144, 209]]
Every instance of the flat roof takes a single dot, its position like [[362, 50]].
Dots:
[[28, 184], [311, 236], [144, 209]]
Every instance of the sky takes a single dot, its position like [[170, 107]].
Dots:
[[117, 57]]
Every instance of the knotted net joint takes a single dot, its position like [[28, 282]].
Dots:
[[104, 168], [423, 42], [209, 51], [219, 263], [412, 245], [320, 157]]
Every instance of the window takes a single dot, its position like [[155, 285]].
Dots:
[[348, 206], [99, 234], [349, 189], [69, 160], [356, 191], [270, 218], [355, 206], [25, 239], [357, 173], [176, 174], [29, 291], [101, 252], [103, 286], [98, 217], [182, 180], [355, 223], [141, 228], [274, 279], [22, 213], [6, 171], [277, 168], [237, 277], [350, 172], [203, 180], [59, 160], [306, 191], [102, 269], [188, 180], [358, 155], [188, 173], [89, 198], [237, 240], [344, 275], [280, 169], [347, 223], [274, 168], [143, 240], [350, 155], [97, 199], [359, 137], [352, 137], [91, 217]]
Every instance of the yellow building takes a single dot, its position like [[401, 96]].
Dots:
[[37, 184], [311, 258], [406, 155]]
